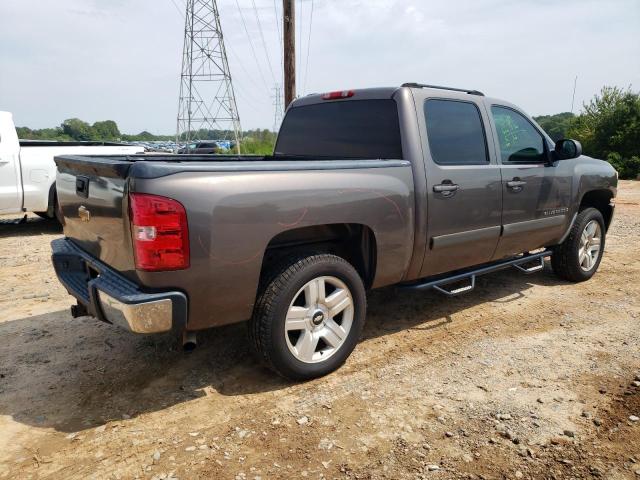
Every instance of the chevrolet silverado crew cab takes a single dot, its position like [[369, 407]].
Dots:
[[28, 172], [418, 186]]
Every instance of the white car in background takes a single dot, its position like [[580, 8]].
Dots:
[[28, 172]]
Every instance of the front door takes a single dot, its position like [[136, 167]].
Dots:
[[464, 195], [536, 193]]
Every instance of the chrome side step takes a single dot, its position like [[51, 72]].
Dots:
[[440, 283], [455, 291], [539, 265]]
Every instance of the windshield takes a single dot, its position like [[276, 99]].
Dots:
[[362, 129]]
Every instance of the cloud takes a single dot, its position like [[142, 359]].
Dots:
[[120, 59]]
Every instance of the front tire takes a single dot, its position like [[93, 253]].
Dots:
[[309, 316], [578, 257]]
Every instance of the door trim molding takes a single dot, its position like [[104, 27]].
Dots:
[[454, 239], [533, 225]]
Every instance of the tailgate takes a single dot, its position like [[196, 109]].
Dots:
[[92, 197]]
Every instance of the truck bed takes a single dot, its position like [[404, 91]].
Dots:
[[237, 208]]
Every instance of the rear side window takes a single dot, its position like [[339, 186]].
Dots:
[[455, 132], [364, 129]]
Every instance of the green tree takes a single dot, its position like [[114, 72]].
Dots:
[[77, 129], [106, 130], [556, 126], [610, 123], [609, 128], [56, 133]]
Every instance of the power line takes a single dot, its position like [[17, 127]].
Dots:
[[277, 18], [299, 70], [306, 67], [238, 59], [240, 87], [253, 50], [264, 44], [178, 8]]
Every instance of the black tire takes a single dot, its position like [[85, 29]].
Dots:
[[565, 259], [53, 212], [57, 210], [279, 289]]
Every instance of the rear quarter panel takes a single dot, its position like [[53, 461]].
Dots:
[[233, 216]]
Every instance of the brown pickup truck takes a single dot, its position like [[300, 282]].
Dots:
[[420, 186]]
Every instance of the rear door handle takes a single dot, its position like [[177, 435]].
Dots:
[[446, 188], [516, 184]]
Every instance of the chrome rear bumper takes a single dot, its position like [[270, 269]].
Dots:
[[107, 295]]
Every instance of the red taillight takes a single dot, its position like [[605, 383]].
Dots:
[[160, 232], [338, 95]]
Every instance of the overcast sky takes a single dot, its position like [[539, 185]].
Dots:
[[120, 59]]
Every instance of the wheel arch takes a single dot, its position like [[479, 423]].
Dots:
[[354, 242], [599, 199]]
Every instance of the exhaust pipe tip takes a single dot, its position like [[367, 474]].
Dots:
[[189, 342]]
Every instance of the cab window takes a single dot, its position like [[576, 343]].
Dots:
[[519, 141], [359, 129], [455, 132]]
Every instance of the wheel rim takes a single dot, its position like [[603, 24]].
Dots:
[[590, 244], [319, 319]]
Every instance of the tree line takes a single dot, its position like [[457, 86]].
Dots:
[[258, 141], [608, 128]]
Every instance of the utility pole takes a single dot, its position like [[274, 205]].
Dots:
[[207, 100], [289, 42]]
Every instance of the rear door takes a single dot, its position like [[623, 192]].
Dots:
[[536, 193], [463, 182]]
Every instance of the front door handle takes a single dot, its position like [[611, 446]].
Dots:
[[516, 184], [446, 188]]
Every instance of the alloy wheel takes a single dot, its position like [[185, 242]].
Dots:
[[319, 319], [590, 241]]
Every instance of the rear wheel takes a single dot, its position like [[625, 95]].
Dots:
[[53, 211], [579, 256], [309, 316]]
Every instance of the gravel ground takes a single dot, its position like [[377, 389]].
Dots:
[[525, 377]]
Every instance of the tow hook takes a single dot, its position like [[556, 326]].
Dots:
[[189, 342]]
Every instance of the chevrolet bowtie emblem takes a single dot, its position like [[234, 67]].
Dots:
[[84, 213]]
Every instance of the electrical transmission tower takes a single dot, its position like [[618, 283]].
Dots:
[[277, 103], [207, 100]]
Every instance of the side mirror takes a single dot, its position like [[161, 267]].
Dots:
[[567, 149]]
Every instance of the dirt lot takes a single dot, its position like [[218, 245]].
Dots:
[[526, 377]]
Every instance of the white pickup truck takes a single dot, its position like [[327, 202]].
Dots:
[[28, 172]]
